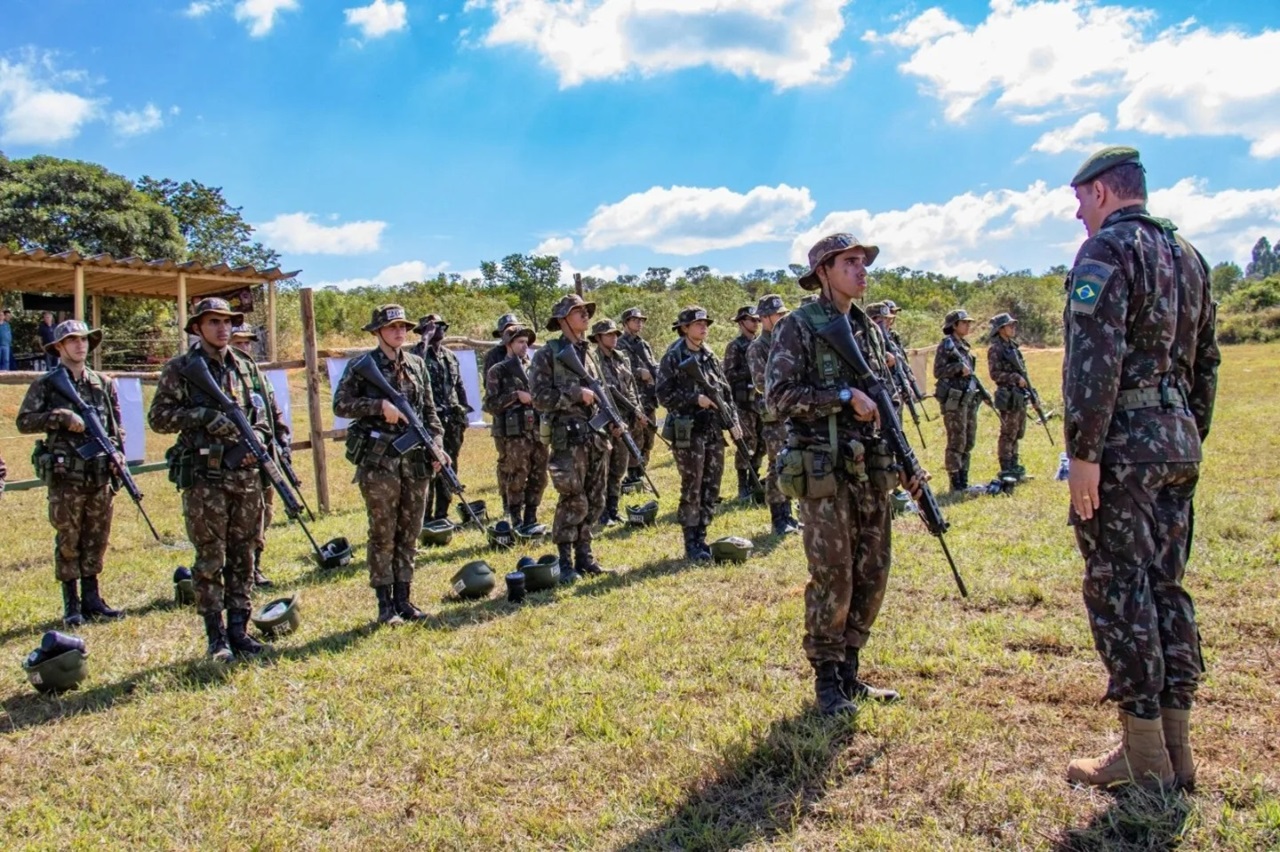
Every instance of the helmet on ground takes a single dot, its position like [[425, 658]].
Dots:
[[278, 617], [477, 506], [543, 574], [184, 586], [59, 664], [473, 580], [335, 553], [437, 533], [643, 516], [631, 485], [525, 562], [731, 548], [502, 535], [531, 532]]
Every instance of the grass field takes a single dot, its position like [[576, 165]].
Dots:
[[665, 707]]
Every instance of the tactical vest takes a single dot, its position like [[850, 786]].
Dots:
[[828, 369], [766, 415], [519, 420], [744, 390], [55, 458]]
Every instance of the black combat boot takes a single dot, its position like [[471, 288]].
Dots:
[[386, 606], [217, 636], [854, 689], [404, 607], [744, 489], [610, 515], [584, 561], [71, 615], [259, 579], [92, 605], [778, 517], [516, 512], [704, 551], [826, 689], [954, 476], [241, 642], [692, 551], [530, 515], [568, 575], [794, 525], [964, 478]]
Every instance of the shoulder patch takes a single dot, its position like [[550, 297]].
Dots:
[[1088, 282]]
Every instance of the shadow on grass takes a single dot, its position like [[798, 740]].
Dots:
[[30, 709], [1135, 820], [760, 794]]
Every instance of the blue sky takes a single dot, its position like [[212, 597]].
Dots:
[[374, 140]]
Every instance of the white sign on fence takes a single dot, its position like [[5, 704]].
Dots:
[[471, 383], [336, 368], [134, 419], [280, 386]]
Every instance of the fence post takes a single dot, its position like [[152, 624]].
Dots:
[[310, 356]]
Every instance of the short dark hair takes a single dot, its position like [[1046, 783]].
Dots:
[[1126, 181]]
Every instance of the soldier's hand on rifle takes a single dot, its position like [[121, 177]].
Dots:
[[588, 397], [965, 371], [890, 360], [641, 419], [391, 414], [1022, 383], [220, 426], [444, 459], [736, 431], [864, 408], [615, 430], [645, 376], [914, 485], [705, 402], [71, 421], [525, 397]]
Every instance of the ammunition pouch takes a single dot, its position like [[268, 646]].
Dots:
[[569, 432], [881, 467], [744, 393], [678, 430], [182, 468], [516, 422], [1008, 399], [68, 468], [957, 399]]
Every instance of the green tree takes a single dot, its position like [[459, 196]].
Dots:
[[532, 280], [697, 274], [1224, 277], [1264, 262], [213, 230], [655, 278]]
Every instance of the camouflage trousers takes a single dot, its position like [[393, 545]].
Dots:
[[268, 515], [81, 519], [847, 541], [621, 461], [701, 466], [224, 520], [1135, 551], [522, 470], [394, 501], [579, 475], [749, 420], [1013, 428], [438, 495], [643, 436], [775, 438], [962, 434]]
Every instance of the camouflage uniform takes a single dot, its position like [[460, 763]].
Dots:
[[959, 399], [618, 380], [496, 355], [522, 457], [451, 409], [737, 372], [642, 359], [773, 430], [1004, 362]]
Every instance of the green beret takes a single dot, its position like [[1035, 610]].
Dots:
[[1104, 161]]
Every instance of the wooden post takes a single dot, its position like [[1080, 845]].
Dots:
[[182, 312], [310, 355], [96, 302], [79, 298], [577, 283], [273, 352]]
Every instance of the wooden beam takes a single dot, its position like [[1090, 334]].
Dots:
[[182, 312], [309, 353], [79, 299], [273, 351], [96, 302]]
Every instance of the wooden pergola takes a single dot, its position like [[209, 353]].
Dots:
[[94, 276]]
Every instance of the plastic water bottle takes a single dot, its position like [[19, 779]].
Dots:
[[1064, 467]]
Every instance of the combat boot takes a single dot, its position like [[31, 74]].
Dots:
[[963, 477], [1140, 758], [793, 525], [71, 615], [241, 642], [217, 636], [855, 689], [826, 689], [530, 515], [1019, 469], [259, 579], [1177, 741], [779, 519], [404, 607], [1007, 469], [584, 561], [386, 606], [692, 550], [611, 506], [568, 576], [516, 512], [744, 490], [92, 605], [954, 477], [703, 549]]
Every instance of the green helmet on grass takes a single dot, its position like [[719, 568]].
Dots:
[[279, 617], [543, 574], [437, 533], [474, 580], [731, 548]]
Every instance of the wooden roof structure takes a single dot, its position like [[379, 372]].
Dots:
[[103, 275]]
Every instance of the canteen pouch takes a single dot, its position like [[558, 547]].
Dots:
[[853, 460], [356, 446], [819, 472], [882, 468], [953, 400], [681, 431], [743, 393], [790, 470], [414, 463], [182, 472], [544, 431], [1003, 399], [566, 433]]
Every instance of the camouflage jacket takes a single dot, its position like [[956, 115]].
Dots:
[[43, 410], [494, 356], [1140, 372], [737, 371], [447, 390], [758, 361], [678, 393], [804, 376], [615, 366], [557, 393], [180, 407], [950, 359], [504, 378], [641, 354], [356, 399], [1004, 362]]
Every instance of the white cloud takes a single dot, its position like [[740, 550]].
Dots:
[[554, 245], [200, 8], [137, 122], [688, 220], [784, 42], [1080, 136], [260, 15], [1223, 225], [604, 272], [36, 108], [300, 233], [391, 276], [378, 18]]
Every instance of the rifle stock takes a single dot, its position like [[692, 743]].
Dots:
[[838, 334], [690, 367]]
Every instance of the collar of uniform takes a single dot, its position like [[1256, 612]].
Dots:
[[225, 361], [1123, 211], [383, 359]]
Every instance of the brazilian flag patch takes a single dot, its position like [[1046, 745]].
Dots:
[[1088, 282]]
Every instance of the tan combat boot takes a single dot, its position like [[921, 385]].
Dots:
[[1141, 758], [1177, 740]]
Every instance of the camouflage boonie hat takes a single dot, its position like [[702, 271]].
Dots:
[[74, 328], [511, 332], [746, 312], [605, 326], [771, 305], [564, 306], [504, 321], [809, 299], [1104, 161], [385, 315], [999, 321], [212, 305], [632, 313], [430, 318], [958, 315], [244, 332], [879, 309], [892, 305], [825, 248], [691, 314]]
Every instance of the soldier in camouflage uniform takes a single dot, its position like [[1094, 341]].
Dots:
[[1139, 379], [221, 498], [837, 465], [243, 338], [645, 369], [957, 395], [773, 431], [79, 491], [450, 396], [394, 486], [522, 457], [4, 474], [693, 427], [737, 371], [494, 356], [579, 462], [615, 367], [1009, 374]]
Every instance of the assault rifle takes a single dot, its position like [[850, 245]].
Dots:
[[983, 393], [838, 334], [691, 368], [608, 415], [196, 371], [905, 392], [98, 443], [286, 467], [1034, 398], [417, 435]]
